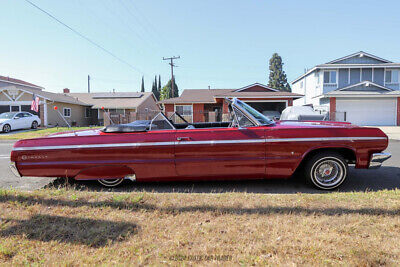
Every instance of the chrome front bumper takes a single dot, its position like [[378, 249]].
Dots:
[[377, 159], [14, 169]]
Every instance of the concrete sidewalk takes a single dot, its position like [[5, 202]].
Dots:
[[392, 131]]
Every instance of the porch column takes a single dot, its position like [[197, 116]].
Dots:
[[45, 113], [225, 111], [290, 102], [332, 108], [41, 112], [398, 111]]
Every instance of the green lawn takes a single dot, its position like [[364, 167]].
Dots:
[[71, 228], [42, 132]]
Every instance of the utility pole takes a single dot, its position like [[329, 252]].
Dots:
[[171, 59], [88, 83]]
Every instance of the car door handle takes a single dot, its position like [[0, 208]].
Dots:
[[183, 138]]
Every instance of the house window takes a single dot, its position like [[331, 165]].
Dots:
[[185, 110], [330, 77], [67, 112], [392, 76], [88, 112]]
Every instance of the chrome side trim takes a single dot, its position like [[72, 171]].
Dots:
[[377, 159], [14, 169], [321, 139], [206, 142]]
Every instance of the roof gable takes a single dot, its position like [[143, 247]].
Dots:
[[19, 82], [255, 87], [366, 86], [359, 58]]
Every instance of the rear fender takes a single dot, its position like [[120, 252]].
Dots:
[[104, 172]]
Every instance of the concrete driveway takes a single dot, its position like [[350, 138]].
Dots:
[[387, 177]]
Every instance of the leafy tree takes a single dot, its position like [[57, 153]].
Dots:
[[142, 87], [164, 93], [154, 88], [277, 77]]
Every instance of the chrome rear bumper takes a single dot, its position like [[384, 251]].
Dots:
[[377, 159], [14, 169]]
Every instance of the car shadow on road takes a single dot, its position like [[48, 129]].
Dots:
[[359, 180]]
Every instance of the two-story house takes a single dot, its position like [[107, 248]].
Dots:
[[360, 88]]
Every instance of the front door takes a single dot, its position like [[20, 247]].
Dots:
[[230, 152]]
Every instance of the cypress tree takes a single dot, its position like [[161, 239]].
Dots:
[[277, 77], [142, 88], [154, 88]]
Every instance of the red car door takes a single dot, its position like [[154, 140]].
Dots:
[[220, 152]]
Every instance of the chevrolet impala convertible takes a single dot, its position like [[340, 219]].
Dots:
[[247, 146]]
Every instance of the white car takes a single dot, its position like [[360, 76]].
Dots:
[[18, 120]]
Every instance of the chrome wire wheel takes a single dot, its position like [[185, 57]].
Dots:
[[110, 182], [6, 128], [328, 173], [326, 170]]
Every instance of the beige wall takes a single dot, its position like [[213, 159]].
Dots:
[[152, 106], [77, 114]]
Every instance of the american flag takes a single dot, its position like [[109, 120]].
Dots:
[[35, 103]]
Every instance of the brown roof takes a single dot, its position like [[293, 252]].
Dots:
[[120, 100], [20, 82], [209, 95]]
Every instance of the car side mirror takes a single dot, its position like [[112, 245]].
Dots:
[[16, 118]]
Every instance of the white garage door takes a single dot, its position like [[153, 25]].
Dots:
[[379, 112]]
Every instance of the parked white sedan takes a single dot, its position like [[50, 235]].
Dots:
[[18, 120]]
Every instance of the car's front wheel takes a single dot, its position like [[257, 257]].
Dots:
[[34, 125], [111, 182], [326, 170], [6, 128]]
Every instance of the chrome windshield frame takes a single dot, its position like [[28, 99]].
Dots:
[[234, 102], [165, 117]]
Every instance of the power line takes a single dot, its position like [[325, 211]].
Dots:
[[84, 37]]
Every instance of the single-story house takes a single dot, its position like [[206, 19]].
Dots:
[[17, 95], [122, 107], [78, 109], [203, 105], [360, 88]]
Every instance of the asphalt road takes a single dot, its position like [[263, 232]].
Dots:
[[387, 177]]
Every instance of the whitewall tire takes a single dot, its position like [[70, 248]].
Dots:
[[326, 170], [111, 182]]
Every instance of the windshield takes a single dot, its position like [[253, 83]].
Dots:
[[7, 115], [257, 115]]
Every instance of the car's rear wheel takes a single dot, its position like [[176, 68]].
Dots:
[[34, 125], [6, 128], [326, 170], [111, 182]]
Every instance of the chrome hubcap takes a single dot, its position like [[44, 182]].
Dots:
[[328, 172]]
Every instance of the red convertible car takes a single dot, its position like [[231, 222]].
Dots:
[[249, 146]]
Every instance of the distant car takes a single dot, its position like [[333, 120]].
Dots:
[[301, 113], [18, 120], [272, 115]]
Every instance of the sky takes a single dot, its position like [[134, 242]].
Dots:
[[222, 44]]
